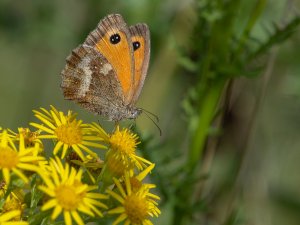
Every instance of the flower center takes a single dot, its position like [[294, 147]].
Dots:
[[135, 184], [136, 208], [8, 158], [69, 133], [67, 197], [123, 141]]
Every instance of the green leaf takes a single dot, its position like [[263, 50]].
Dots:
[[39, 217], [279, 36], [36, 194]]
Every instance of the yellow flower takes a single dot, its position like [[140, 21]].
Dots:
[[136, 207], [124, 140], [30, 137], [67, 131], [5, 218], [136, 180], [13, 160], [68, 194], [121, 155], [14, 201]]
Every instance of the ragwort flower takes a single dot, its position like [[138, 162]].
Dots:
[[13, 160], [68, 195], [67, 131], [14, 201], [30, 137], [136, 207], [121, 155]]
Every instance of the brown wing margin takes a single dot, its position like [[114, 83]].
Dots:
[[72, 75], [110, 22]]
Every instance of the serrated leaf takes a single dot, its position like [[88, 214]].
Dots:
[[280, 35]]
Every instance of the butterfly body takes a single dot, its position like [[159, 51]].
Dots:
[[106, 73]]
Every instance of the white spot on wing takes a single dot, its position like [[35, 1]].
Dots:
[[105, 69], [86, 79]]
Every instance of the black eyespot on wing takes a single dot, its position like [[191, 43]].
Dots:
[[115, 39], [136, 45]]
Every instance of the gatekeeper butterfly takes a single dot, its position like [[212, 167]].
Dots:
[[106, 73]]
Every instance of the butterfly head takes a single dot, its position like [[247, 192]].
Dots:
[[134, 113], [127, 113]]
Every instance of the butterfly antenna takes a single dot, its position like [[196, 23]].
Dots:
[[155, 122], [152, 114]]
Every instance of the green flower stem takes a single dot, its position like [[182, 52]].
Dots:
[[206, 115]]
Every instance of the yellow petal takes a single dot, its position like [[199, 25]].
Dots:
[[117, 210], [50, 204], [57, 147], [9, 215], [143, 174], [57, 210], [116, 196], [120, 219], [67, 217], [21, 175], [6, 175], [78, 151], [77, 217]]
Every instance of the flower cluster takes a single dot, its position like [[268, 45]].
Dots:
[[88, 173]]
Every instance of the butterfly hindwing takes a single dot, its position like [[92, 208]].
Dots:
[[86, 77], [140, 37]]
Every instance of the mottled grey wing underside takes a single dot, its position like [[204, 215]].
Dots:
[[90, 80]]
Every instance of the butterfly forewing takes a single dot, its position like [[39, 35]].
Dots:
[[112, 39]]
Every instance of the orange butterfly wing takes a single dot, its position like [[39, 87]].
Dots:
[[112, 39], [140, 37]]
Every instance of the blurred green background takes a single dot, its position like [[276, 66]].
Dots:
[[36, 36]]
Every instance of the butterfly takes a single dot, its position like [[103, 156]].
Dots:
[[105, 74]]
